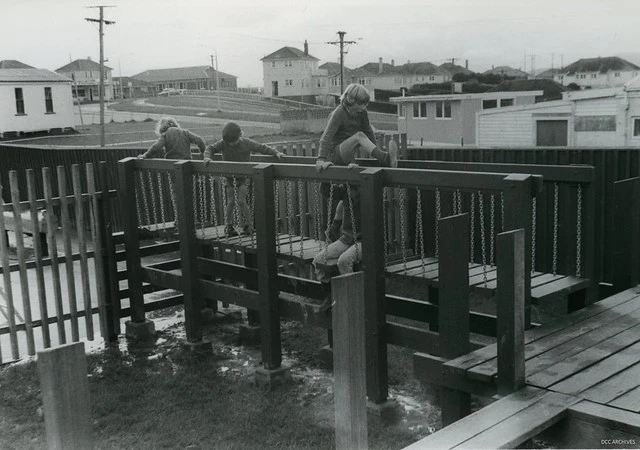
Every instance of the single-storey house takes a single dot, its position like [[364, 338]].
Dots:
[[451, 118], [194, 77], [34, 100], [591, 118]]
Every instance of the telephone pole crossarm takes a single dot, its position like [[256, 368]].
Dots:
[[341, 42]]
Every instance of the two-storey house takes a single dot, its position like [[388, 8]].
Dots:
[[85, 74], [592, 73]]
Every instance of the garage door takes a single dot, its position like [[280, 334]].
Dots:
[[552, 133]]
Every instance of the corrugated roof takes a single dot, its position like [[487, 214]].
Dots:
[[288, 53], [30, 76], [178, 73], [81, 64], [14, 64], [602, 65]]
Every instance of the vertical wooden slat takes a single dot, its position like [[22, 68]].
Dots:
[[38, 253], [98, 250], [8, 290], [453, 312], [82, 249], [53, 253], [68, 252], [510, 317], [24, 281], [374, 290], [349, 366]]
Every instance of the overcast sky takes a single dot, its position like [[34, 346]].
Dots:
[[163, 33]]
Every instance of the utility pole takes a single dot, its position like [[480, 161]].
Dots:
[[217, 77], [102, 22], [341, 43]]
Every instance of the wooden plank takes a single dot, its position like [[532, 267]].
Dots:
[[568, 375], [349, 368], [515, 430], [629, 400], [65, 397], [38, 253], [8, 293], [560, 287], [611, 418], [53, 253], [481, 420], [24, 281], [615, 386], [82, 249]]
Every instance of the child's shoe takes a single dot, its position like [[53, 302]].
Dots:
[[230, 231], [393, 153]]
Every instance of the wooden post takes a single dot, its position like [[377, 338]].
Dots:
[[510, 321], [349, 369], [453, 310], [374, 287], [188, 251], [625, 233], [65, 397], [267, 267]]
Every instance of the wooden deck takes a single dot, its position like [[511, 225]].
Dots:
[[585, 366]]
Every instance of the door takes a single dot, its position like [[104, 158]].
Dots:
[[552, 133], [274, 88]]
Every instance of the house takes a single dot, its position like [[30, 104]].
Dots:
[[551, 90], [506, 71], [293, 73], [85, 74], [129, 87], [33, 100], [194, 78], [13, 64], [592, 118], [451, 118], [592, 73]]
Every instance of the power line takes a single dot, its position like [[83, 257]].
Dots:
[[102, 22], [341, 42]]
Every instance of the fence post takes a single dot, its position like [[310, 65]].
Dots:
[[65, 397], [453, 310], [371, 210], [625, 233], [510, 317], [349, 368]]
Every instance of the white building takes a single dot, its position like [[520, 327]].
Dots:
[[594, 73], [34, 100], [86, 76], [592, 118]]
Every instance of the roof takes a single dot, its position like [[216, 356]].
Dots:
[[178, 73], [454, 69], [599, 64], [506, 71], [481, 95], [633, 84], [419, 68], [81, 64], [548, 73], [133, 81], [31, 76], [552, 90], [333, 69], [565, 107], [14, 64], [288, 53]]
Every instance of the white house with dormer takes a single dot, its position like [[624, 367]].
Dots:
[[595, 73], [33, 100]]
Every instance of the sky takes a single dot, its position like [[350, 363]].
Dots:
[[163, 34]]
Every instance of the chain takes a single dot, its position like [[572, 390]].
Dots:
[[329, 219], [473, 228], [154, 214], [317, 215], [579, 233], [160, 194], [459, 201], [455, 205], [502, 211], [225, 202], [492, 234], [203, 210], [253, 211], [214, 211], [438, 211], [555, 228], [385, 193], [276, 197], [534, 210], [482, 239], [144, 199], [236, 209], [174, 203], [138, 205], [301, 214], [419, 227], [402, 230], [194, 182], [289, 201], [353, 224]]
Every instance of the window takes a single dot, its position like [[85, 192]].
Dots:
[[288, 63], [402, 111], [288, 82], [594, 75], [321, 82], [48, 100], [617, 74], [273, 64], [19, 101], [432, 78], [335, 82], [488, 104], [636, 127], [443, 109], [506, 102], [420, 109]]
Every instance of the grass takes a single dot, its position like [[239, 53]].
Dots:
[[160, 395]]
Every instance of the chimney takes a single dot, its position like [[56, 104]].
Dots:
[[89, 58], [380, 65], [466, 64], [306, 48], [393, 63]]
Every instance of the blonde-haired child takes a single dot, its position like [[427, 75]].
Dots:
[[173, 142]]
